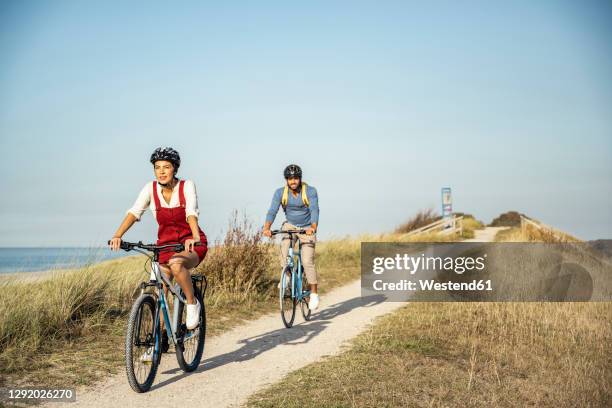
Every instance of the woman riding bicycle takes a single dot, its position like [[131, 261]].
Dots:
[[174, 204]]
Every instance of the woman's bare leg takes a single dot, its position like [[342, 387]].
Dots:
[[179, 266]]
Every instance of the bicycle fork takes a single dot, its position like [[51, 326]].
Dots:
[[296, 278]]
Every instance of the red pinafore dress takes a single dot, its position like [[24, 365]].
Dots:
[[173, 226]]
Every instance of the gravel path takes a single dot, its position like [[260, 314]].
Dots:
[[485, 235]]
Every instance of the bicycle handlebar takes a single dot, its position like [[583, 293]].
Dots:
[[128, 246], [294, 231]]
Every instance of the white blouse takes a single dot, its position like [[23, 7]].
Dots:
[[145, 199]]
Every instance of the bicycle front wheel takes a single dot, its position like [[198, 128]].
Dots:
[[287, 302], [306, 313], [141, 356], [190, 345]]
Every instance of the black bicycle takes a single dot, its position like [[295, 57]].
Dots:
[[143, 342]]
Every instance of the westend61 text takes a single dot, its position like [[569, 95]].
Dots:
[[430, 284]]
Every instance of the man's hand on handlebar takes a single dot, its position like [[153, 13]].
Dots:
[[269, 233], [115, 243]]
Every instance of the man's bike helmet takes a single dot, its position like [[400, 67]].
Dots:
[[292, 170]]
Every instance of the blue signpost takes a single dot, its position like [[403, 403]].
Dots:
[[447, 204]]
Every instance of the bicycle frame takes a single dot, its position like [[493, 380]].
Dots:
[[297, 291], [157, 279]]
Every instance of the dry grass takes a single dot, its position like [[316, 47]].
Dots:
[[469, 225], [512, 234], [239, 268], [41, 321], [507, 219], [420, 219], [529, 233], [526, 232], [469, 354], [545, 234], [426, 217]]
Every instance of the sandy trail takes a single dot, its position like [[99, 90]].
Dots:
[[485, 235], [241, 361]]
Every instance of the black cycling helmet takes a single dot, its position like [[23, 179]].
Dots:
[[292, 170], [167, 154]]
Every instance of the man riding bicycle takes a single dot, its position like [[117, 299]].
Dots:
[[301, 206]]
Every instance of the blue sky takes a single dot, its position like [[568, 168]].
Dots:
[[381, 103]]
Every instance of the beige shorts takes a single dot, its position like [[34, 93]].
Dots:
[[308, 252]]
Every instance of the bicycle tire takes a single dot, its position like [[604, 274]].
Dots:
[[182, 331], [143, 312], [287, 302], [306, 312]]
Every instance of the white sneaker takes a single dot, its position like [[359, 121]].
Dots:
[[313, 303], [193, 315]]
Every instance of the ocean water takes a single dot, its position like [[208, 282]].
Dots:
[[44, 259]]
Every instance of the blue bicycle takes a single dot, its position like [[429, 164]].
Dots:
[[293, 282], [144, 343]]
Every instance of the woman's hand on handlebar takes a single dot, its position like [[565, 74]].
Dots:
[[267, 233], [190, 244], [114, 243]]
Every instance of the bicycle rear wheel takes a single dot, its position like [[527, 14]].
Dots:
[[287, 302], [190, 345], [141, 356]]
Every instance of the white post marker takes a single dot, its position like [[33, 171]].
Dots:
[[447, 205]]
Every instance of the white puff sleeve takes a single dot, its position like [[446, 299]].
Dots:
[[142, 202], [191, 199]]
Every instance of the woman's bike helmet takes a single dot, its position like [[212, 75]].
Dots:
[[167, 154]]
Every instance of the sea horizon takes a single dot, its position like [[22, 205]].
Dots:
[[42, 258]]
